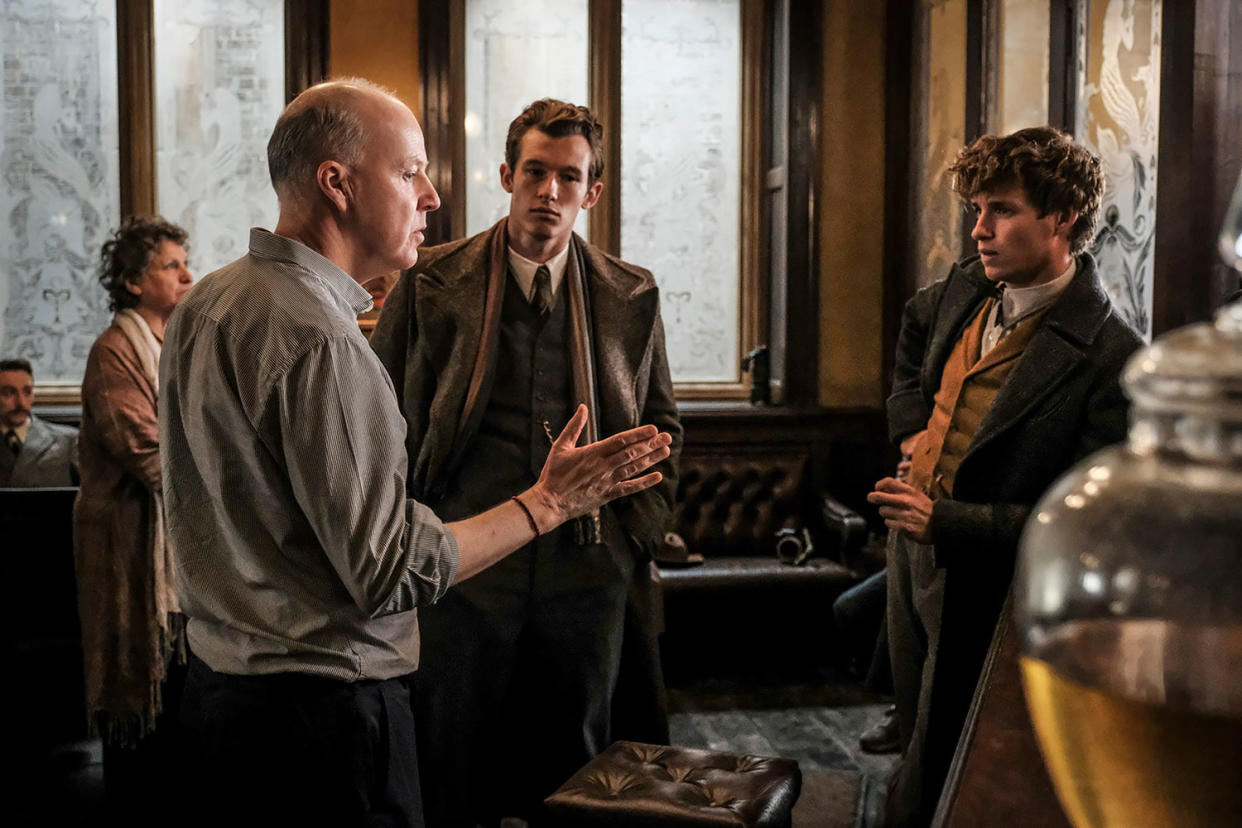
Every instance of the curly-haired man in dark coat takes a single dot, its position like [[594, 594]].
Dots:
[[1006, 374]]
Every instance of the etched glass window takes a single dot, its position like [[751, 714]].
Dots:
[[59, 150], [1023, 72], [515, 54], [1119, 117], [220, 81], [681, 169]]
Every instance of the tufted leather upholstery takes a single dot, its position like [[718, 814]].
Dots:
[[730, 506], [733, 504], [632, 784]]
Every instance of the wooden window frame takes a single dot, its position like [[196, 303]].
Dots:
[[306, 63], [442, 65], [983, 60]]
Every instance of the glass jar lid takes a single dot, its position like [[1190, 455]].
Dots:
[[1194, 370]]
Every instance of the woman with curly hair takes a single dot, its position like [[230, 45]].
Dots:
[[132, 634]]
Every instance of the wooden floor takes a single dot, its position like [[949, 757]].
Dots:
[[815, 719]]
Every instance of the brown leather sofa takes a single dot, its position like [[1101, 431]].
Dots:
[[731, 510], [728, 575]]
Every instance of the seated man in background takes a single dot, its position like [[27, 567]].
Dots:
[[33, 452], [1006, 375]]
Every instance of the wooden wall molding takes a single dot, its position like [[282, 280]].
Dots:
[[1200, 158], [135, 50], [306, 45]]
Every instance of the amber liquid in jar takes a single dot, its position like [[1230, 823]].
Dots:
[[1136, 746]]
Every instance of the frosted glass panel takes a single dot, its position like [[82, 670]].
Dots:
[[59, 151], [1023, 65], [1119, 118], [515, 53], [220, 81], [680, 163], [940, 131]]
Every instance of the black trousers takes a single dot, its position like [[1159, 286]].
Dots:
[[142, 781], [859, 615], [515, 680], [915, 606], [291, 749]]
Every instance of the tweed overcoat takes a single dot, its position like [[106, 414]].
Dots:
[[123, 641], [432, 338]]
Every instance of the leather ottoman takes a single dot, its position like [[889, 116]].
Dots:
[[632, 784]]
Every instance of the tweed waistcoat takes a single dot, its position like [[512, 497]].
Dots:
[[532, 387], [968, 387]]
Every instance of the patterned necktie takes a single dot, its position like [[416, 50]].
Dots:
[[994, 326], [541, 296], [13, 441]]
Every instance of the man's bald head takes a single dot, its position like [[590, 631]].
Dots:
[[327, 122]]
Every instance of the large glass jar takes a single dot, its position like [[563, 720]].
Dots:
[[1129, 599]]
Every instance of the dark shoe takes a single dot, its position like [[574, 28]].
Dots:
[[884, 736]]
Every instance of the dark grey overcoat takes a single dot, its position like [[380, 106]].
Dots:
[[1061, 402], [49, 457]]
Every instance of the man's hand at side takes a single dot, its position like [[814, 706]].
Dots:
[[903, 507]]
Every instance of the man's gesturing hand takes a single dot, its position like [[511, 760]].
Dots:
[[576, 480], [903, 507]]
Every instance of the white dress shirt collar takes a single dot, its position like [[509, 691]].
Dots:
[[21, 431], [1019, 303], [524, 270]]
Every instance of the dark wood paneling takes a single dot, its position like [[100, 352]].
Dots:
[[1062, 55], [604, 78], [776, 195], [801, 276], [1200, 136], [998, 775], [1177, 233], [899, 281], [442, 65], [975, 101], [306, 45], [846, 446], [136, 80], [37, 528]]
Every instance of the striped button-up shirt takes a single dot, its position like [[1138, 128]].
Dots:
[[284, 464]]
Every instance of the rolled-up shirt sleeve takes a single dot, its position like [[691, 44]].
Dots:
[[343, 445]]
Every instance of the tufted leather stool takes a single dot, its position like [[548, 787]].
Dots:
[[632, 784]]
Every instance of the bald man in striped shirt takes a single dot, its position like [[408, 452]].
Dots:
[[300, 559]]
